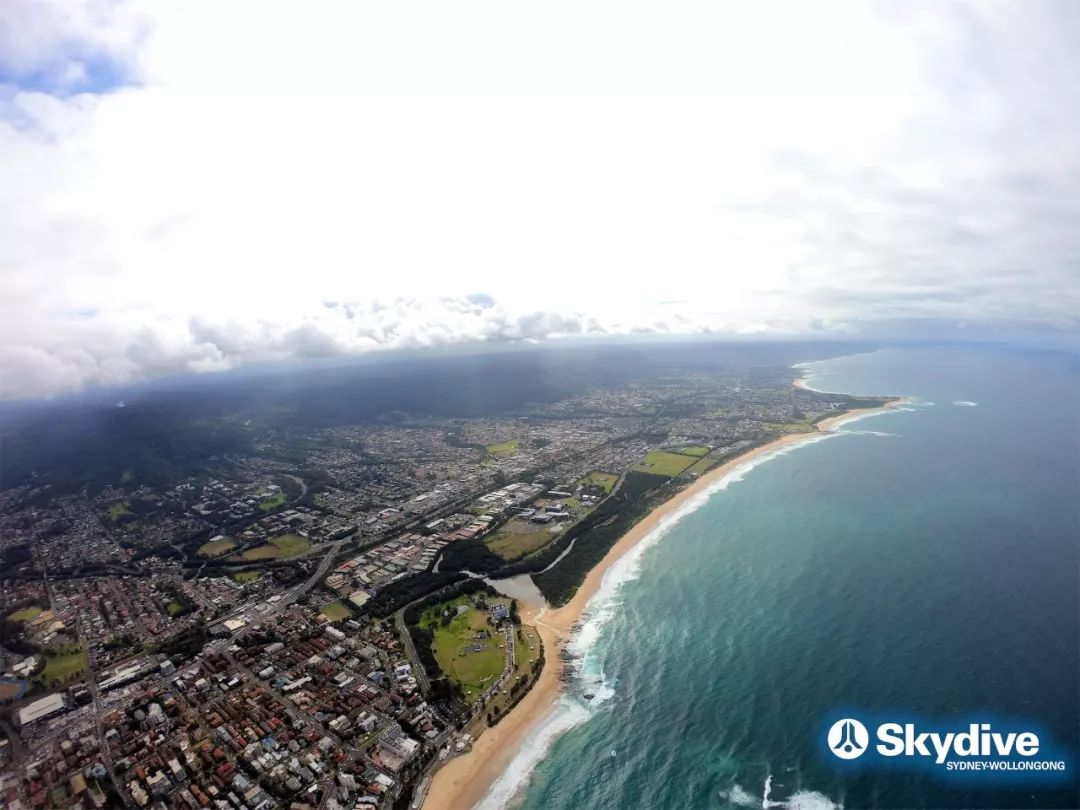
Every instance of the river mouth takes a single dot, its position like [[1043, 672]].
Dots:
[[520, 587]]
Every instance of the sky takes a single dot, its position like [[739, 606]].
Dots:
[[195, 186]]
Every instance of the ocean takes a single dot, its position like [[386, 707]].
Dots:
[[923, 562]]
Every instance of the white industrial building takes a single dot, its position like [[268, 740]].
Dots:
[[45, 707]]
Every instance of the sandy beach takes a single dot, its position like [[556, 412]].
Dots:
[[463, 782]]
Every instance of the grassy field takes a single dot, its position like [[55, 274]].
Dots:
[[244, 577], [600, 479], [216, 548], [336, 611], [516, 538], [27, 614], [660, 462], [502, 448], [174, 608], [62, 668], [284, 547], [700, 466], [694, 451], [273, 503], [118, 510], [473, 663], [805, 426], [527, 651]]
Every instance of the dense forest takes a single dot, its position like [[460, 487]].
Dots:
[[639, 494]]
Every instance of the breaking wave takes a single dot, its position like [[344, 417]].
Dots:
[[965, 403], [570, 710], [844, 421], [602, 605], [739, 796], [800, 800], [567, 713]]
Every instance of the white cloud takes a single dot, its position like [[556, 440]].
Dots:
[[787, 168]]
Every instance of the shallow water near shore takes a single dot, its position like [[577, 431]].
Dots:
[[924, 561]]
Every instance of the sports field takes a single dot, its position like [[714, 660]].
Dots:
[[215, 548], [502, 448], [336, 611], [661, 462], [284, 547]]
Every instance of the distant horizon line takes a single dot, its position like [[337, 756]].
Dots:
[[1065, 342]]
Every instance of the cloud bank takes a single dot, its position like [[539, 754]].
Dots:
[[200, 186]]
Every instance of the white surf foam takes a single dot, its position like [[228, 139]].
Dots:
[[569, 711], [738, 795], [808, 376], [860, 417], [872, 433], [800, 800], [566, 714], [965, 403], [601, 606], [809, 800]]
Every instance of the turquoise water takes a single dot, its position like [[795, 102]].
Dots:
[[924, 561]]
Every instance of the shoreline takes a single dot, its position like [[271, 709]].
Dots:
[[463, 782]]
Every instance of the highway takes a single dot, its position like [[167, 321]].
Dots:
[[288, 597]]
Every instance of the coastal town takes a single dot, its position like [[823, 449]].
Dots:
[[321, 622]]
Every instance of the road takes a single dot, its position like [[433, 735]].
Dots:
[[289, 596], [410, 651], [290, 707], [92, 687]]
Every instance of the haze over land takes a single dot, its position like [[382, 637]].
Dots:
[[201, 187]]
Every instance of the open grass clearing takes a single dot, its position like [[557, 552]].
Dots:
[[215, 548], [502, 448], [27, 614], [660, 462], [605, 480], [696, 450], [467, 648], [516, 538], [700, 466], [803, 426], [63, 668], [336, 611], [270, 504], [118, 510], [284, 547]]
